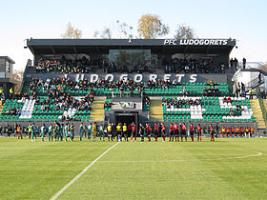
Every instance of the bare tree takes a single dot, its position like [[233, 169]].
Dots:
[[106, 33], [124, 30], [184, 32], [120, 30], [150, 26], [72, 32]]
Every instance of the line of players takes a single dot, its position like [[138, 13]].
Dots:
[[122, 131]]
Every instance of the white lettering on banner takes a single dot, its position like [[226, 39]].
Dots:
[[167, 77], [138, 78], [153, 77], [109, 77], [205, 42], [170, 42], [179, 77], [94, 78], [193, 78], [124, 77]]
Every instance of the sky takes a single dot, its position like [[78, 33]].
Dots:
[[243, 20]]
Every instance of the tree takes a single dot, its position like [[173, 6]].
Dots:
[[124, 30], [72, 32], [184, 32], [119, 30], [150, 26]]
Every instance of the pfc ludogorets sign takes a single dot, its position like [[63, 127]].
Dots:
[[196, 42]]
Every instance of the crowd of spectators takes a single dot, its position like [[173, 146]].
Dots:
[[57, 95], [179, 103], [85, 65], [192, 65]]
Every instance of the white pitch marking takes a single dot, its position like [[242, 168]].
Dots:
[[55, 196], [169, 161]]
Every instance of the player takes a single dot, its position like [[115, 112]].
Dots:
[[176, 131], [30, 131], [156, 131], [232, 132], [42, 132], [171, 132], [118, 132], [18, 131], [184, 135], [237, 131], [199, 133], [246, 131], [109, 130], [89, 131], [101, 132], [223, 130], [125, 132], [192, 131], [142, 132], [163, 131], [228, 132], [148, 131], [133, 131], [241, 133], [81, 131], [72, 132], [211, 130], [94, 130]]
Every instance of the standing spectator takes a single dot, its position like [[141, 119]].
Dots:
[[235, 63], [259, 77], [244, 63]]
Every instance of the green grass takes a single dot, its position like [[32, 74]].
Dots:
[[134, 170]]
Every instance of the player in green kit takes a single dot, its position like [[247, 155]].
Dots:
[[50, 128], [81, 132], [72, 134], [30, 131], [89, 129], [42, 132], [66, 131]]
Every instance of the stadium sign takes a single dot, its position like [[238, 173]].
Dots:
[[197, 42], [174, 78]]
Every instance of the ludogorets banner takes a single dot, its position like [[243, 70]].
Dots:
[[197, 42]]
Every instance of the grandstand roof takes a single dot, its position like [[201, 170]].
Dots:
[[74, 46]]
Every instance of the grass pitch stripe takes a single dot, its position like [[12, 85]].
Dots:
[[55, 196]]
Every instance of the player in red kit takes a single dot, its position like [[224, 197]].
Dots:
[[211, 130], [163, 131], [184, 132], [192, 131], [171, 132], [176, 131], [156, 131], [199, 133], [133, 131], [148, 131]]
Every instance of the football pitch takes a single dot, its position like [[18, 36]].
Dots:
[[227, 169]]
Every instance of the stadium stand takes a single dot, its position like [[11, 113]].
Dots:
[[61, 88]]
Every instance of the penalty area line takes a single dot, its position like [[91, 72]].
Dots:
[[56, 195]]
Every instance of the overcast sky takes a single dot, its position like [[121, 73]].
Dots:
[[244, 20]]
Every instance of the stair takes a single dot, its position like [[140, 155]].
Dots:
[[1, 106], [255, 105], [27, 109], [98, 112], [156, 111]]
